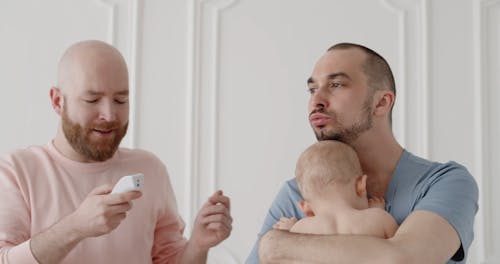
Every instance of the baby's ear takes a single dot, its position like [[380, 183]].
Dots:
[[305, 207], [361, 186]]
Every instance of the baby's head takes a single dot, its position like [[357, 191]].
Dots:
[[325, 164]]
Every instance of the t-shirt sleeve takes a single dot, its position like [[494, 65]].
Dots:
[[284, 204], [452, 193]]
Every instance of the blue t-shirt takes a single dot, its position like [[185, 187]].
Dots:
[[417, 184]]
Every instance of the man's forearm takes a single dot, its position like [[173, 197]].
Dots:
[[53, 244], [285, 247]]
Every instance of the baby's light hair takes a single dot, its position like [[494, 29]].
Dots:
[[326, 162]]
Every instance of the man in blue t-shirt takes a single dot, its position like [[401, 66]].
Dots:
[[352, 94]]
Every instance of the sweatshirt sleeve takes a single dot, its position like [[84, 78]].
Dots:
[[18, 254], [169, 242], [14, 219]]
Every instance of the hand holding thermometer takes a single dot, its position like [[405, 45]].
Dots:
[[129, 183]]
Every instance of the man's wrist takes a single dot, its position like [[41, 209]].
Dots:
[[66, 227], [53, 244], [194, 253]]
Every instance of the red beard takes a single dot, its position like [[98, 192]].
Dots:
[[92, 148]]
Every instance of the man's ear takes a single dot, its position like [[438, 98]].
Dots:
[[384, 99], [361, 186], [305, 207], [56, 99]]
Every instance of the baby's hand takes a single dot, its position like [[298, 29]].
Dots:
[[285, 223], [376, 202]]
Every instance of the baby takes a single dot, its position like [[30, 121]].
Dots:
[[335, 198]]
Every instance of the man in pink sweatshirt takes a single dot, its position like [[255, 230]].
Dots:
[[55, 200]]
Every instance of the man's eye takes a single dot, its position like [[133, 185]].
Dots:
[[336, 85], [121, 101], [312, 90], [91, 101]]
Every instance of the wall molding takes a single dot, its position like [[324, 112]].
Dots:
[[123, 32], [202, 146], [482, 129], [413, 21]]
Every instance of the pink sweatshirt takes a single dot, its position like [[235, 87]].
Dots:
[[39, 186]]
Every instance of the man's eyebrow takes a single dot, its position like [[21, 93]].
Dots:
[[124, 92], [92, 92], [331, 77], [339, 74]]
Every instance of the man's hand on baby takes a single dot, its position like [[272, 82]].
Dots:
[[285, 223], [376, 202]]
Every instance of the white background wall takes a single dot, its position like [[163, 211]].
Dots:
[[220, 88]]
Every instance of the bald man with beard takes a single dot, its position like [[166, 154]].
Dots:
[[55, 200]]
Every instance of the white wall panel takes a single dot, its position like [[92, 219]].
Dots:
[[411, 110], [488, 127], [203, 109]]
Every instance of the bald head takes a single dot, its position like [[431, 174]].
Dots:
[[91, 63]]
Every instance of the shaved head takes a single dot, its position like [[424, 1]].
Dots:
[[88, 59]]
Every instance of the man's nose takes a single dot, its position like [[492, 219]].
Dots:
[[319, 99], [107, 112]]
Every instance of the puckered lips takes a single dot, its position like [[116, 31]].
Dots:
[[319, 119]]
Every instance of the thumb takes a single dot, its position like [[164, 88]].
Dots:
[[102, 189]]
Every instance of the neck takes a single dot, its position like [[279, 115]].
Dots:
[[333, 206], [378, 154]]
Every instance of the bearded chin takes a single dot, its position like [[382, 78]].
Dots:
[[96, 150], [322, 134], [347, 134]]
